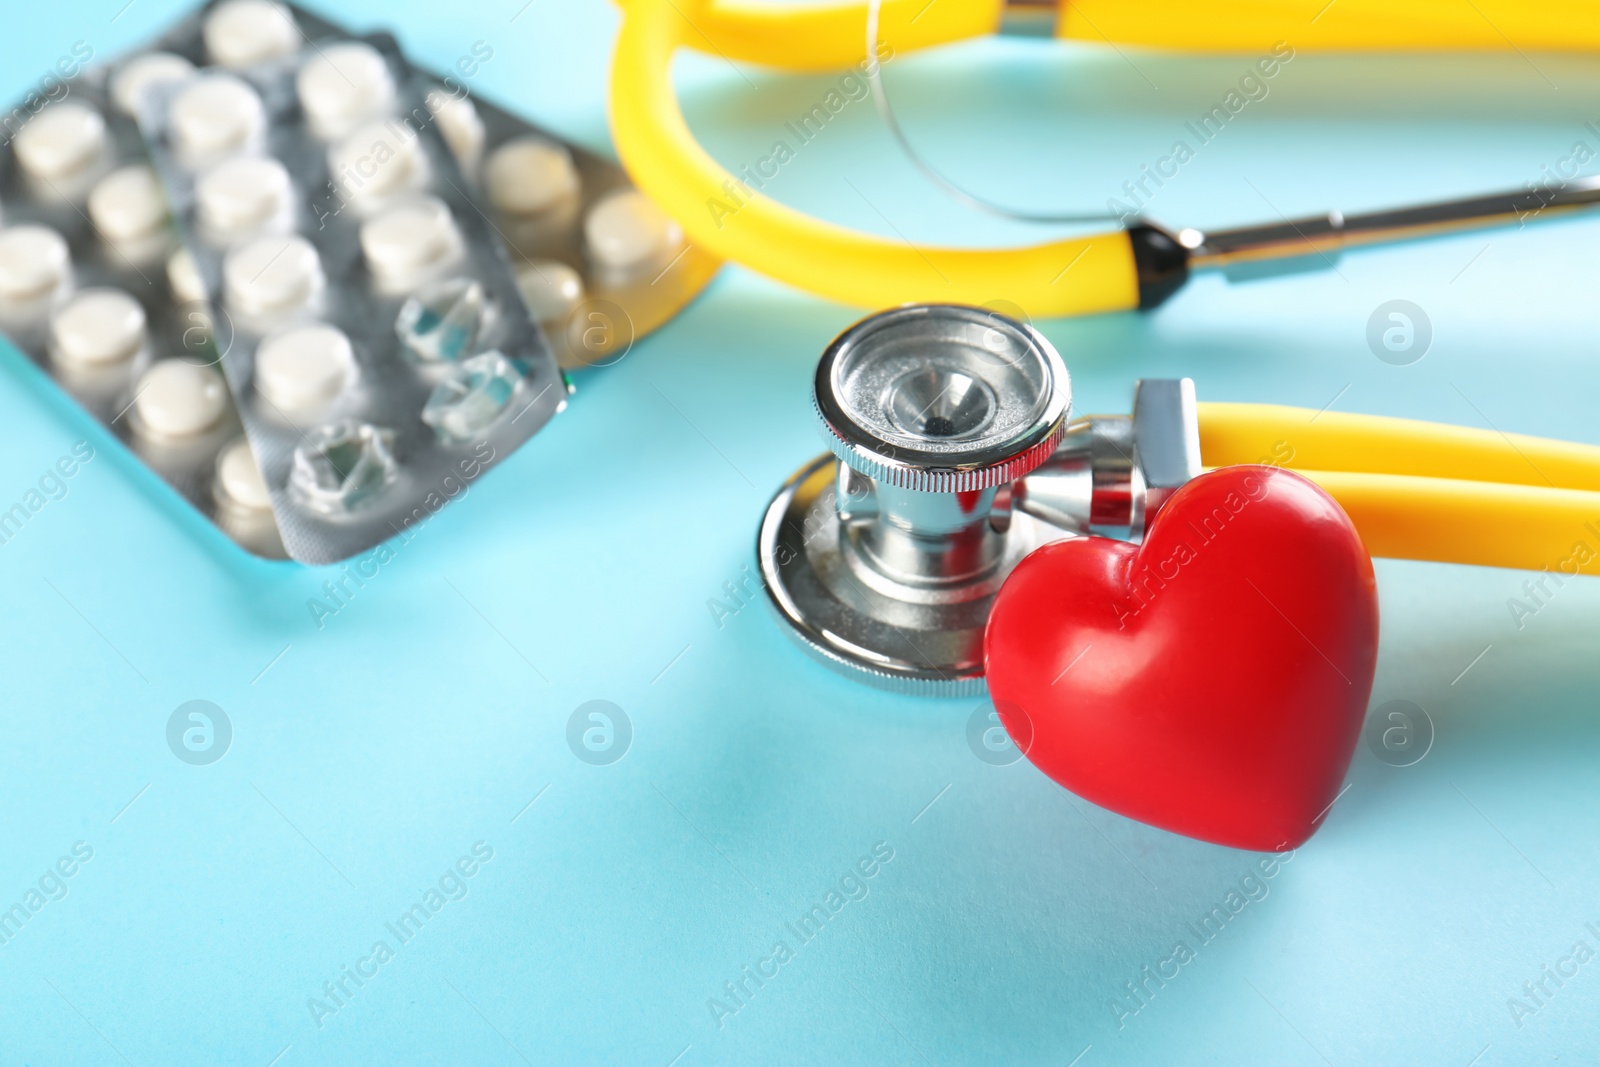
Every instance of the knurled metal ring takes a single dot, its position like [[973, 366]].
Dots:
[[1015, 376]]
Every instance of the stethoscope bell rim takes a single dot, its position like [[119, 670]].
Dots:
[[942, 398], [862, 632]]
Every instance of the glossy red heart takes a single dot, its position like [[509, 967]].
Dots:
[[1211, 681]]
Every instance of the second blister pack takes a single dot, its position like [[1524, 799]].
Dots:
[[598, 264]]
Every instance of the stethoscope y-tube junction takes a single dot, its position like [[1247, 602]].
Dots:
[[1165, 259]]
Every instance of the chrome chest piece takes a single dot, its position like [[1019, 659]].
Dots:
[[950, 458]]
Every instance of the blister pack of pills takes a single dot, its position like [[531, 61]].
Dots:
[[96, 289], [367, 319], [310, 295], [598, 264]]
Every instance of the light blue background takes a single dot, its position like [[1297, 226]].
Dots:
[[427, 713]]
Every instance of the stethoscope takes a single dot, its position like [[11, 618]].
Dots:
[[1414, 490], [1137, 266], [957, 489], [952, 454]]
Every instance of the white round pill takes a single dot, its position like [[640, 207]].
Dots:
[[61, 141], [179, 399], [216, 114], [239, 479], [551, 289], [127, 203], [409, 237], [34, 261], [143, 73], [98, 326], [377, 160], [625, 230], [272, 275], [304, 369], [183, 278], [342, 85], [530, 175], [242, 193], [242, 33], [459, 123]]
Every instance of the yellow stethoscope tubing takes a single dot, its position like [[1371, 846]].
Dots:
[[1487, 524], [806, 37], [1420, 490], [1331, 440], [825, 37], [1353, 25], [1076, 276]]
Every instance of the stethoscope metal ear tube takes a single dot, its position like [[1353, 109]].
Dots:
[[1137, 266], [1165, 260], [950, 459]]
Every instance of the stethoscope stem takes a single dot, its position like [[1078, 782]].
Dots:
[[1315, 242]]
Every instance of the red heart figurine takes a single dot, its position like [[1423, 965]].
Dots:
[[1211, 681]]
